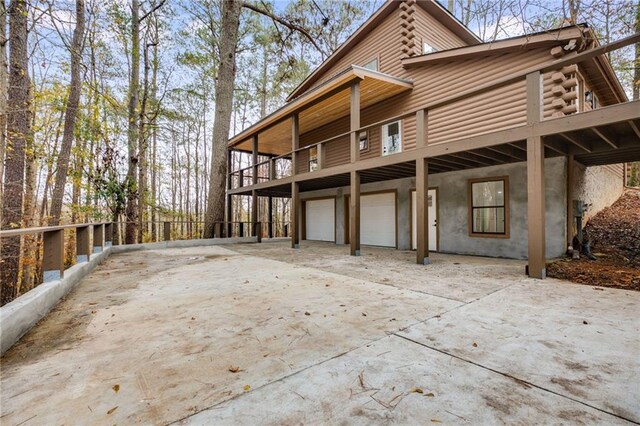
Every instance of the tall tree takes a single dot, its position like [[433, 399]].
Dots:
[[131, 212], [3, 91], [228, 42], [17, 131], [230, 22], [71, 113]]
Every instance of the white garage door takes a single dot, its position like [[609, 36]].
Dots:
[[321, 220], [378, 219]]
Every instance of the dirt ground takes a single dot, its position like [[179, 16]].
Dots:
[[615, 236], [229, 335]]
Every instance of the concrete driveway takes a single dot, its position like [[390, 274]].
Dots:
[[214, 335]]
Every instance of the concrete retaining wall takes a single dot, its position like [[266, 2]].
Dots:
[[18, 316], [598, 186]]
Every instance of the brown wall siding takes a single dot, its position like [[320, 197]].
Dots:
[[498, 109], [433, 32], [383, 42]]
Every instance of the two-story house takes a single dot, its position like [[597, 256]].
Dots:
[[414, 134]]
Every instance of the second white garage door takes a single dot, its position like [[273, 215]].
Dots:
[[320, 219], [378, 219]]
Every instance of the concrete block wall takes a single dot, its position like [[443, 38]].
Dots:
[[453, 209]]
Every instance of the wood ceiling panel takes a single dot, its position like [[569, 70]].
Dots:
[[276, 140]]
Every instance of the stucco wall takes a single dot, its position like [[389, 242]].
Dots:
[[453, 209], [598, 186]]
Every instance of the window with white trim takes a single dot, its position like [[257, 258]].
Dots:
[[392, 138]]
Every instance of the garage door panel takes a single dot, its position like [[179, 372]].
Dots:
[[320, 219], [378, 219]]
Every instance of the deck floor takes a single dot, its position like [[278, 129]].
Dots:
[[263, 334]]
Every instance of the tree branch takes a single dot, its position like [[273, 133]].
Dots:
[[286, 23], [156, 7]]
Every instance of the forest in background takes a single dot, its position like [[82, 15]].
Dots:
[[109, 109]]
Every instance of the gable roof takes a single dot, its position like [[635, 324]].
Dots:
[[431, 6]]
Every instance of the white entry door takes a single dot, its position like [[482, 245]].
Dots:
[[320, 219], [378, 219], [432, 204]]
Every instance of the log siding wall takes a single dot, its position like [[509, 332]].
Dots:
[[495, 110]]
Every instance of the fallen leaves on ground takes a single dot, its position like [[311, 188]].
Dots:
[[116, 388], [235, 369], [246, 388], [112, 410], [615, 241]]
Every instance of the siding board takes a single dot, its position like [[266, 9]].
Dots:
[[494, 110]]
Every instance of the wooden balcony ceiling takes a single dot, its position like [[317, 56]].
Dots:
[[325, 104]]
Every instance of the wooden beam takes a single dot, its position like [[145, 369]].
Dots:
[[634, 127], [437, 163], [354, 213], [509, 151], [536, 207], [83, 244], [53, 255], [422, 212], [254, 213], [570, 184], [491, 155], [270, 216], [582, 146], [229, 229], [606, 138], [321, 155], [98, 237], [254, 160], [295, 215], [354, 122], [295, 142], [535, 181], [471, 156], [534, 98], [517, 146], [458, 163], [553, 148], [421, 128], [598, 117]]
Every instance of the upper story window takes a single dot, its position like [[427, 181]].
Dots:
[[489, 207], [313, 158], [590, 100], [371, 65], [391, 138], [427, 48], [363, 138]]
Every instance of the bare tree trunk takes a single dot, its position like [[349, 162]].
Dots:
[[3, 91], [154, 137], [17, 132], [224, 101], [142, 145], [132, 133], [71, 112], [636, 62], [29, 243]]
